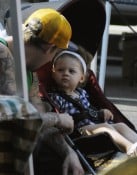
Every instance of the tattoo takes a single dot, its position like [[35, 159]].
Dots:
[[7, 73], [34, 95]]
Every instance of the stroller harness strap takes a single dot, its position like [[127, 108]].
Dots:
[[90, 113]]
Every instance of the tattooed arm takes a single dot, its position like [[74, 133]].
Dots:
[[7, 74]]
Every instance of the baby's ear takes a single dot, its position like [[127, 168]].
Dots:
[[82, 79], [53, 68]]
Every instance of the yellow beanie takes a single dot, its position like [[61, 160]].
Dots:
[[55, 27]]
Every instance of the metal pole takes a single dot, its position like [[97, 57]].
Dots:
[[81, 157], [19, 56], [94, 64], [103, 58]]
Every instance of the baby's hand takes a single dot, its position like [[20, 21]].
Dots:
[[107, 114]]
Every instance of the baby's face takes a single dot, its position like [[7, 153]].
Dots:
[[68, 73]]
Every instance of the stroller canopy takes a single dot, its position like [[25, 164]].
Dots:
[[87, 19]]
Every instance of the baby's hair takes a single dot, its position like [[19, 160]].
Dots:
[[86, 55]]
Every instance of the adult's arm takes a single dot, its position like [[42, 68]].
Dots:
[[56, 141], [7, 73]]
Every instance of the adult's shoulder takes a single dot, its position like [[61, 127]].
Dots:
[[7, 71], [5, 51]]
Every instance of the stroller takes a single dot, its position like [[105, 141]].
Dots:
[[89, 146], [89, 37]]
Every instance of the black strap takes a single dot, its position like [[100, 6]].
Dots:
[[84, 113], [75, 102]]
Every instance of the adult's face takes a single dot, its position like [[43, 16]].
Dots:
[[37, 57]]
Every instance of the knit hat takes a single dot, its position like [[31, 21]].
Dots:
[[51, 26]]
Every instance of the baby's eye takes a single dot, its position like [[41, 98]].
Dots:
[[72, 71], [60, 70]]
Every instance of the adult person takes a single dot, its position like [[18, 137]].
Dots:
[[46, 32]]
